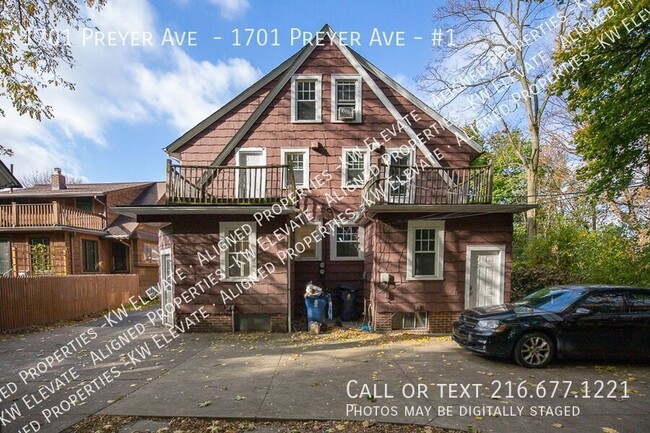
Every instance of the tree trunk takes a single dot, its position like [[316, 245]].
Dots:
[[531, 192]]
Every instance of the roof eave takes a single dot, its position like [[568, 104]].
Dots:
[[233, 103]]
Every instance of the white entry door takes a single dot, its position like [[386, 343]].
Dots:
[[485, 275], [251, 181], [167, 287]]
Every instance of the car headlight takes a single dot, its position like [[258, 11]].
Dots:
[[490, 325]]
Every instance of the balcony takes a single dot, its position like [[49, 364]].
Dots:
[[412, 185], [230, 185], [48, 215]]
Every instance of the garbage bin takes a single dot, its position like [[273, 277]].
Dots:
[[348, 303], [318, 307]]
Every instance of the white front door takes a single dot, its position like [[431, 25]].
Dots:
[[485, 275], [252, 181], [167, 287]]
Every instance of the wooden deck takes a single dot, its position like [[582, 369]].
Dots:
[[49, 215]]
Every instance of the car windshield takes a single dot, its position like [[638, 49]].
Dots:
[[553, 299]]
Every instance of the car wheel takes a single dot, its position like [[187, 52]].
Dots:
[[534, 350]]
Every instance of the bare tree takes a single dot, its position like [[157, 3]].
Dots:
[[43, 177], [499, 69]]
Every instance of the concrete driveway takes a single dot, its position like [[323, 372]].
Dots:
[[420, 380]]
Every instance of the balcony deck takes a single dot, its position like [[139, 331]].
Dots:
[[48, 215], [410, 185], [229, 185]]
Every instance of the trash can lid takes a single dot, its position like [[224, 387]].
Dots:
[[317, 295], [348, 288]]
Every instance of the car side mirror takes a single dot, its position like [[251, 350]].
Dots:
[[580, 311]]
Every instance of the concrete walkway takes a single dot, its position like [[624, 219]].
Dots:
[[277, 376]]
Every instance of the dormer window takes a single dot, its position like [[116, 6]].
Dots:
[[306, 98], [346, 98]]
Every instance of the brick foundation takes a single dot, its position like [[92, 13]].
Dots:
[[223, 323], [439, 323]]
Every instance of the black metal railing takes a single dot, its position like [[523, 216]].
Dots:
[[400, 184], [194, 184]]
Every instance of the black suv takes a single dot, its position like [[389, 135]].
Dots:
[[578, 321]]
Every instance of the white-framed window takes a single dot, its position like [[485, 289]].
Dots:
[[306, 98], [346, 242], [414, 320], [425, 250], [238, 250], [346, 98], [307, 242], [299, 159], [356, 167], [399, 176]]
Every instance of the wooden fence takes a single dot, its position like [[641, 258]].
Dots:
[[41, 300]]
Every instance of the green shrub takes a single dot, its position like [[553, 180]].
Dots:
[[526, 279], [570, 253]]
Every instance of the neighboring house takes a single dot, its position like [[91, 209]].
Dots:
[[65, 229], [415, 230], [7, 179]]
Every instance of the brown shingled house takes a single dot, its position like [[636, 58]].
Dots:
[[328, 148], [64, 229]]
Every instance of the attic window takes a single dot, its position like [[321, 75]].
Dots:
[[346, 98], [306, 98]]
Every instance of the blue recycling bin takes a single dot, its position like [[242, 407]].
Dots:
[[319, 307]]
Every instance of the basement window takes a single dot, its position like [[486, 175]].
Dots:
[[252, 322], [416, 320]]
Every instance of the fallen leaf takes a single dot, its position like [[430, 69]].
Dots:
[[609, 430], [369, 423], [557, 425], [204, 404]]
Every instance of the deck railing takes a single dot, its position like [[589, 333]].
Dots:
[[195, 184], [48, 215], [430, 186]]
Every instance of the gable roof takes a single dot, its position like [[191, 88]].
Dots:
[[72, 190], [7, 179], [386, 79], [125, 227], [257, 86], [288, 68]]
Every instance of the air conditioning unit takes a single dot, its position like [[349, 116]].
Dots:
[[346, 113]]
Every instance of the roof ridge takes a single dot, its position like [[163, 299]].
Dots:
[[293, 63]]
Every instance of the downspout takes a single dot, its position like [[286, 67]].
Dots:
[[289, 282]]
